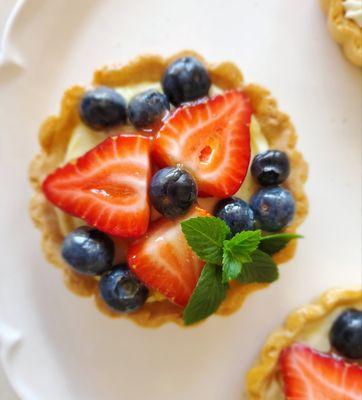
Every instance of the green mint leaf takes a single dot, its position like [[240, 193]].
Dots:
[[237, 251], [242, 244], [261, 269], [231, 267], [207, 296], [271, 244], [206, 235]]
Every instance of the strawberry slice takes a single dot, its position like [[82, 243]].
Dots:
[[310, 375], [163, 260], [211, 139], [107, 186]]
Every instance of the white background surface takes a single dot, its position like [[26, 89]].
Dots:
[[67, 349], [6, 392]]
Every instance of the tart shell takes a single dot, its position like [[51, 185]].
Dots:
[[344, 31], [56, 131], [265, 368]]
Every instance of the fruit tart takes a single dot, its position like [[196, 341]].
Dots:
[[317, 355], [168, 189], [345, 25]]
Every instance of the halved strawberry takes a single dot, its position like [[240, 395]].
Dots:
[[163, 260], [310, 375], [211, 139], [106, 187]]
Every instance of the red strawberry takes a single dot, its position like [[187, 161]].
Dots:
[[310, 375], [211, 139], [106, 187], [163, 260]]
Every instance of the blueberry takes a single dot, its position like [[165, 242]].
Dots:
[[346, 334], [121, 290], [173, 191], [236, 213], [102, 108], [88, 251], [273, 208], [270, 168], [186, 79], [147, 108]]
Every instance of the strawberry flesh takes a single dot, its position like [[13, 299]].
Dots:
[[211, 139], [311, 375], [107, 186], [163, 260]]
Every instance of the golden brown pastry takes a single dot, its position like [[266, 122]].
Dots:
[[56, 139], [344, 24], [308, 325]]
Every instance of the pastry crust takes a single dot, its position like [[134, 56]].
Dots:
[[265, 368], [344, 31], [56, 132]]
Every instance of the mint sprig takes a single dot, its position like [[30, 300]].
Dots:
[[246, 258]]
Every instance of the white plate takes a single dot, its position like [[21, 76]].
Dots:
[[64, 348]]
